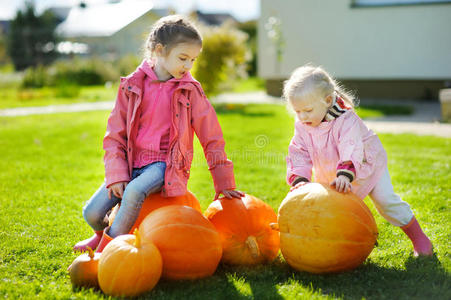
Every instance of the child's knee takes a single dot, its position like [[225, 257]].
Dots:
[[93, 218], [134, 195]]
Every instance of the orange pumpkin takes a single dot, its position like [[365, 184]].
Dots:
[[322, 230], [154, 201], [129, 266], [188, 242], [83, 270], [244, 227]]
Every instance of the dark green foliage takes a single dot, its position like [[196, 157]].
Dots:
[[32, 38], [250, 27]]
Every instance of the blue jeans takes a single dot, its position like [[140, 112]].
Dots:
[[146, 180]]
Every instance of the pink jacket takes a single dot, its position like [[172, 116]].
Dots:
[[191, 112], [324, 147]]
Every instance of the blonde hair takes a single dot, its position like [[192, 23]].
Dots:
[[311, 81]]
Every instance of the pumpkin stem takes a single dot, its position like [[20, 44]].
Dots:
[[252, 244], [90, 252], [137, 238], [274, 226]]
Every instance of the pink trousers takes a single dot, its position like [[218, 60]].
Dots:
[[388, 203]]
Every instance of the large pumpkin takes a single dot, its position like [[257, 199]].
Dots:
[[322, 230], [188, 242], [244, 227], [154, 201], [129, 266]]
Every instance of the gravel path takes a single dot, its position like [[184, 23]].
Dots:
[[424, 121]]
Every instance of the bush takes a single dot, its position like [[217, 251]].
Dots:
[[36, 77], [83, 72], [223, 58], [71, 73], [127, 64]]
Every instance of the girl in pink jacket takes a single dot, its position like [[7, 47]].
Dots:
[[331, 139], [149, 139]]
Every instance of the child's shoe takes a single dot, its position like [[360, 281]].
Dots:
[[106, 239], [421, 243], [92, 242]]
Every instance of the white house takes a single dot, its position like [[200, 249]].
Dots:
[[111, 29], [392, 49]]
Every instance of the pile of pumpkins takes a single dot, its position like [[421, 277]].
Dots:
[[318, 230]]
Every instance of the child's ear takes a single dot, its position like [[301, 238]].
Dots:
[[159, 49], [329, 100]]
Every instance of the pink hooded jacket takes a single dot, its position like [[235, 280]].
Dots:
[[191, 112], [322, 148]]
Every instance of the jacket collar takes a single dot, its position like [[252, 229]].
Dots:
[[146, 69], [337, 109]]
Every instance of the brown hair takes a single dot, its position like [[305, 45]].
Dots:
[[170, 31]]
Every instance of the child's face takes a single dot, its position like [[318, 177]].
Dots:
[[310, 110], [180, 59]]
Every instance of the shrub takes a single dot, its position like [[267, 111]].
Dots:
[[223, 57], [69, 73], [127, 64], [83, 72], [36, 77]]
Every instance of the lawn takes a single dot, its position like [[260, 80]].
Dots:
[[22, 97], [51, 164]]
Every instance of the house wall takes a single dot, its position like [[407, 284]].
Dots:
[[128, 40], [384, 51]]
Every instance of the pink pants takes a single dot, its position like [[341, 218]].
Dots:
[[389, 204]]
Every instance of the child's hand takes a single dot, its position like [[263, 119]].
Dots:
[[230, 194], [342, 184], [299, 184], [117, 189]]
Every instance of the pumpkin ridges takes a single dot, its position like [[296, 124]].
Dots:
[[188, 242], [241, 220], [122, 271], [323, 231]]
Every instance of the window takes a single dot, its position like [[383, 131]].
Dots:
[[363, 3]]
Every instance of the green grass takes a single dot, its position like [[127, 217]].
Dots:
[[250, 84], [21, 97], [51, 164]]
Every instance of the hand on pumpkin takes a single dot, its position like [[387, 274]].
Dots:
[[342, 184], [117, 189], [230, 194]]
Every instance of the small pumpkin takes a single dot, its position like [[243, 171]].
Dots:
[[244, 227], [129, 267], [324, 231], [83, 270], [188, 242], [154, 201]]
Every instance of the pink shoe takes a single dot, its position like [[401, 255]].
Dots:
[[421, 243], [92, 242]]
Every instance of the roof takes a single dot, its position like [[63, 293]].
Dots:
[[214, 18], [103, 19]]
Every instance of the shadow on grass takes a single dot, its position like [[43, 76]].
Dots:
[[422, 278]]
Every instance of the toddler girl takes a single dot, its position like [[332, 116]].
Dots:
[[344, 153], [149, 138]]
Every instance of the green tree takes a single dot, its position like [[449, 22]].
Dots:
[[32, 38]]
